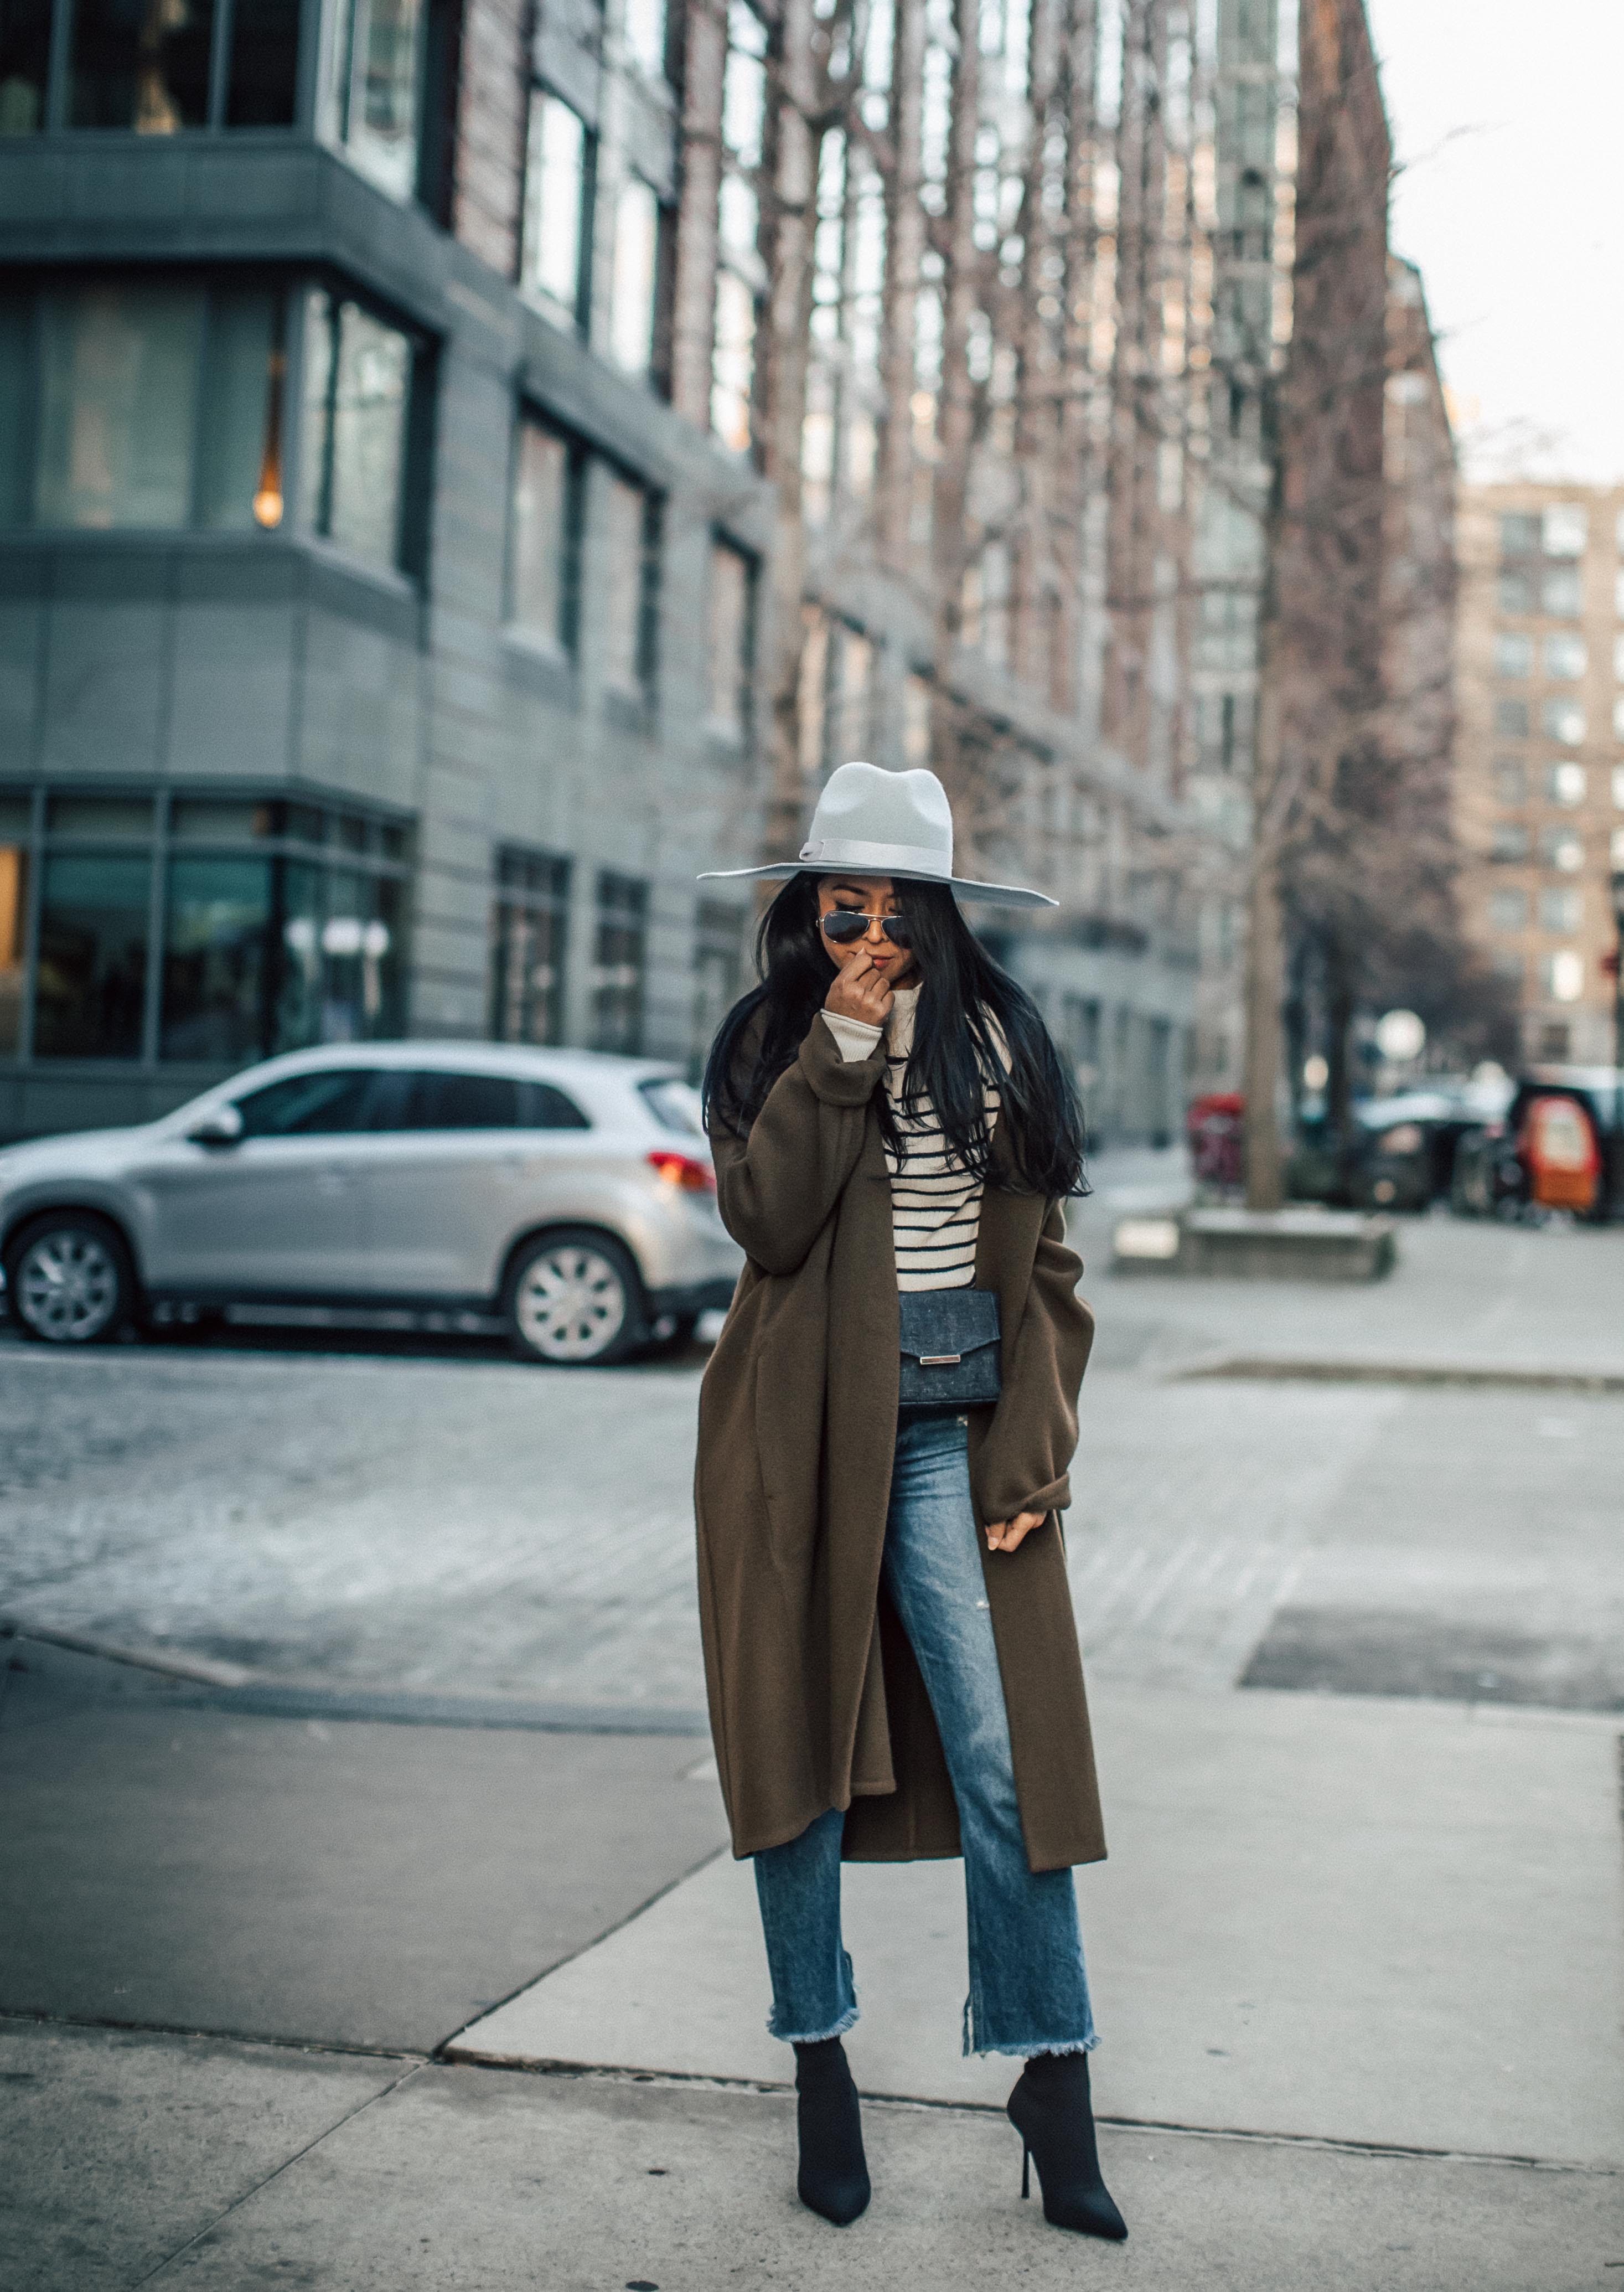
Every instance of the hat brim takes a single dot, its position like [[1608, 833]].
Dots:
[[993, 895]]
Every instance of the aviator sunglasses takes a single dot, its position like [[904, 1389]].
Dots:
[[844, 924]]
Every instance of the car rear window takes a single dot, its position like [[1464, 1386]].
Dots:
[[331, 1100], [436, 1099], [674, 1104]]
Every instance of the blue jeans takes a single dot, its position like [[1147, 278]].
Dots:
[[1029, 1993]]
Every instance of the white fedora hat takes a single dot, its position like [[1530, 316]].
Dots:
[[870, 822]]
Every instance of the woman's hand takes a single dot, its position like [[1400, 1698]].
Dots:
[[1007, 1535], [858, 991]]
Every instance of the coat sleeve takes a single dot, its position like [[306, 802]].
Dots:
[[1026, 1459], [776, 1187]]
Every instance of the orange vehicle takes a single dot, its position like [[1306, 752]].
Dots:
[[1560, 1152]]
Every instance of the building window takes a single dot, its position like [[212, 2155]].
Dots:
[[646, 36], [1510, 781], [549, 476], [1515, 592], [1564, 975], [1561, 911], [158, 70], [1567, 784], [358, 379], [1565, 529], [277, 925], [1563, 849], [1618, 787], [16, 821], [380, 70], [916, 719], [733, 362], [634, 294], [25, 64], [142, 405], [733, 581], [1514, 656], [1509, 840], [1519, 534], [1559, 592], [530, 925], [619, 963], [1563, 721], [719, 935], [1511, 719], [1508, 911], [1564, 656], [632, 587], [559, 170]]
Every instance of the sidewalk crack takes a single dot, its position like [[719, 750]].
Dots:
[[315, 2142]]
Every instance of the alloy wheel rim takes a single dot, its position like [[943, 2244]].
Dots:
[[68, 1286], [571, 1303]]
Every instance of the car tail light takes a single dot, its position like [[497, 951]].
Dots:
[[686, 1172]]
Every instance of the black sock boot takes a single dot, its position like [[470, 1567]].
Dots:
[[833, 2177], [1051, 2111]]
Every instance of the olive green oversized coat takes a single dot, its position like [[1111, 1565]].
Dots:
[[816, 1699]]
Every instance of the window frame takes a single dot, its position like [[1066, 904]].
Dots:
[[578, 315], [564, 642]]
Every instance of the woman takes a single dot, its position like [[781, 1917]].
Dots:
[[890, 1653]]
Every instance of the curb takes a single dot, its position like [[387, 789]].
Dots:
[[1462, 1375]]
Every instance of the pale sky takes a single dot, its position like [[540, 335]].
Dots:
[[1505, 119]]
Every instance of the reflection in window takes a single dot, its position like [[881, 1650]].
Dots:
[[89, 994], [1562, 848], [529, 928], [1564, 656], [333, 1102], [141, 64], [1563, 721], [733, 361], [1564, 975], [1567, 784], [379, 94], [1508, 911], [1514, 656], [217, 959], [25, 61], [620, 956], [356, 383], [13, 938], [645, 30], [557, 183], [160, 405], [1566, 528], [637, 245], [547, 496], [732, 634], [1559, 593], [630, 587]]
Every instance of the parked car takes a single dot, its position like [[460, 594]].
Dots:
[[570, 1193], [1560, 1145], [1398, 1154]]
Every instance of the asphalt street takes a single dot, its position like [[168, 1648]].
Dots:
[[410, 1766]]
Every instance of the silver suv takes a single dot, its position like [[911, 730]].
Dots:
[[569, 1192]]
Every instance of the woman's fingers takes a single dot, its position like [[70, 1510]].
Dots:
[[859, 991], [1007, 1535]]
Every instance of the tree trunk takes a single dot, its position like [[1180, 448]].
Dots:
[[705, 58]]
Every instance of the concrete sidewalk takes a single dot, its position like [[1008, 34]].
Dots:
[[1358, 1962]]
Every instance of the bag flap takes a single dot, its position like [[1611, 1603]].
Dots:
[[940, 1323]]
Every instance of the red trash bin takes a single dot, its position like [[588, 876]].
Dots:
[[1215, 1125]]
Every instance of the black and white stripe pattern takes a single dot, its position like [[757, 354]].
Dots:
[[936, 1202]]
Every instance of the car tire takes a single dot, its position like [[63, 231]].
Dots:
[[572, 1300], [68, 1280]]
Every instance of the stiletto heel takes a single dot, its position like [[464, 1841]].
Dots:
[[1051, 2110]]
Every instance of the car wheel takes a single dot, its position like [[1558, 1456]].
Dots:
[[69, 1280], [574, 1300]]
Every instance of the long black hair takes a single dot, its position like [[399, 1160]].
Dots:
[[967, 1002]]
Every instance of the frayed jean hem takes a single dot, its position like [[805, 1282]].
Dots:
[[1026, 2050], [848, 2021]]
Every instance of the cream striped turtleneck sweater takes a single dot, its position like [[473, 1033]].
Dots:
[[936, 1203]]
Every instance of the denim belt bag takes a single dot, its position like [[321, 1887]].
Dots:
[[950, 1349]]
